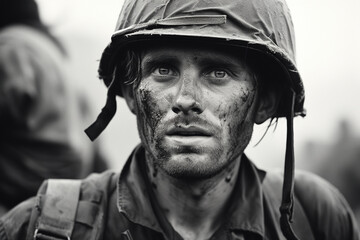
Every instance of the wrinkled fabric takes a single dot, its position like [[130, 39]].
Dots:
[[266, 22], [41, 116], [250, 215]]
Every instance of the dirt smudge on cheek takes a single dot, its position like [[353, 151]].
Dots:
[[245, 96], [223, 114], [149, 113], [239, 127], [149, 118]]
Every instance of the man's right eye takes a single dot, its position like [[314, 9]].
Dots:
[[164, 71]]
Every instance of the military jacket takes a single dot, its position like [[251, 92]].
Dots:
[[122, 206]]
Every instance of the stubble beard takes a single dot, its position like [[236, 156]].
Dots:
[[190, 165]]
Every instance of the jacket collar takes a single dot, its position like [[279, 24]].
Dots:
[[135, 200], [247, 210]]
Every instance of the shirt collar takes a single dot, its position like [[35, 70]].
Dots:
[[246, 211], [133, 196]]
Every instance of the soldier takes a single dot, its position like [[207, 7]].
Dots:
[[198, 75], [41, 112]]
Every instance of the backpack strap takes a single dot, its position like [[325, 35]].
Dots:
[[56, 218], [73, 209], [272, 192]]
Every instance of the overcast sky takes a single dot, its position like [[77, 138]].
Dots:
[[327, 37]]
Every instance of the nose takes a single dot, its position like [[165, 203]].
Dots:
[[187, 98]]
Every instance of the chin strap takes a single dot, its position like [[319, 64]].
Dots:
[[287, 203], [107, 113]]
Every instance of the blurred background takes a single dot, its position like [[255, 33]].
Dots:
[[327, 141]]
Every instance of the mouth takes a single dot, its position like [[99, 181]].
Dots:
[[189, 136], [191, 131]]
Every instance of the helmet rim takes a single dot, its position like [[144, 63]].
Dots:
[[122, 41]]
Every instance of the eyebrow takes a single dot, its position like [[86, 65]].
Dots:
[[221, 62], [165, 57], [157, 55], [159, 58]]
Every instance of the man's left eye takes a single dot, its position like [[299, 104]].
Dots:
[[218, 74]]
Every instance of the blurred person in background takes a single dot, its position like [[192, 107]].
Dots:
[[42, 116]]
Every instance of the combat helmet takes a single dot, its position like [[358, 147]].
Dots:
[[261, 26]]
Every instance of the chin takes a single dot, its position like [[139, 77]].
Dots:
[[192, 168]]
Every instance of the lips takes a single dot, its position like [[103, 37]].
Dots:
[[188, 131]]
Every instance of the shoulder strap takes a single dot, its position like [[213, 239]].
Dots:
[[272, 191], [57, 217], [73, 209]]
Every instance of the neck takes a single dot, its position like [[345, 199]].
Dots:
[[195, 208]]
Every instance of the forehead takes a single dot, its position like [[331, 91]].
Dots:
[[194, 51]]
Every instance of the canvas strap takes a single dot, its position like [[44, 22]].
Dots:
[[300, 223], [57, 217], [287, 202], [106, 114]]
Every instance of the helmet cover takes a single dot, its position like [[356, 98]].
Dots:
[[262, 26]]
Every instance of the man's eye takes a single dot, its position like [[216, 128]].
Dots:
[[164, 71], [219, 74]]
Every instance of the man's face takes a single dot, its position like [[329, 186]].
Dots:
[[195, 109]]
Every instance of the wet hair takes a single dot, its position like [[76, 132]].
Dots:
[[128, 70]]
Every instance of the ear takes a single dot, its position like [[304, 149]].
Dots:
[[128, 94], [267, 106]]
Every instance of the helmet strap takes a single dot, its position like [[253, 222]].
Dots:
[[287, 203], [106, 114]]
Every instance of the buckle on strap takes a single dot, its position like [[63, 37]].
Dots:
[[127, 234], [46, 235]]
